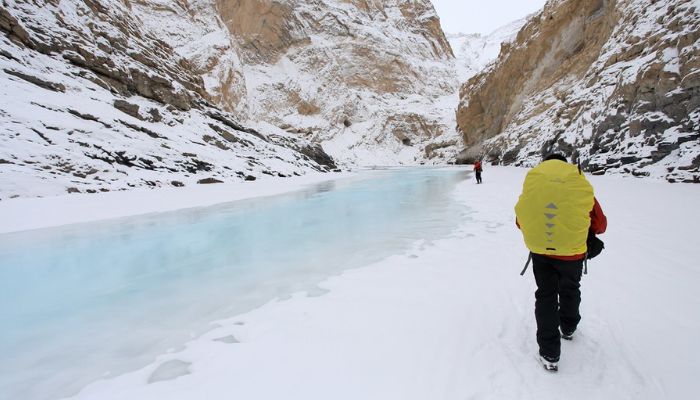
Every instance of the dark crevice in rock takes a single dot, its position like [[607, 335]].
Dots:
[[118, 157], [41, 135], [141, 129], [316, 153], [155, 115], [55, 87], [194, 165], [146, 163], [15, 31], [233, 125], [209, 181], [88, 117], [127, 108], [215, 142], [230, 137], [6, 54]]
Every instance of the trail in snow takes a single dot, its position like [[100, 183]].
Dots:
[[637, 298]]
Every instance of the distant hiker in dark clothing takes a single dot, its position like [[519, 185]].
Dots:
[[555, 212], [477, 169]]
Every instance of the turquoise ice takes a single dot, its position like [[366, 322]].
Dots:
[[91, 300]]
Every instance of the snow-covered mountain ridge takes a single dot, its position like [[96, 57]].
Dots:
[[368, 79], [474, 51], [107, 95], [68, 129], [617, 83]]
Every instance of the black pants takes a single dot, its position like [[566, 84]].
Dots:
[[557, 300], [478, 176]]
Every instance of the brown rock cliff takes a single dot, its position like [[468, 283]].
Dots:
[[612, 83]]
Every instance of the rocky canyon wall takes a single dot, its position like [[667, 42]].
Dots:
[[370, 80], [614, 83], [104, 95], [361, 76]]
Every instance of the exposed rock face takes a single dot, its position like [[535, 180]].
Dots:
[[313, 66], [367, 79], [93, 101], [534, 63], [197, 34], [264, 29], [616, 83], [100, 37]]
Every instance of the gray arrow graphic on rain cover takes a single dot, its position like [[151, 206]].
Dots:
[[550, 216]]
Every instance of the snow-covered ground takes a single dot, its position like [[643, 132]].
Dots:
[[42, 212], [452, 319]]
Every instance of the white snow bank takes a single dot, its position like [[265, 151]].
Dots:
[[452, 319], [34, 213]]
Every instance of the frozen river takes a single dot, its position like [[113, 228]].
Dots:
[[86, 301]]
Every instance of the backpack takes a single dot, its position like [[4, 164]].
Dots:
[[595, 245], [554, 208]]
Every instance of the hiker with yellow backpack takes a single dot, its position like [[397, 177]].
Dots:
[[558, 214]]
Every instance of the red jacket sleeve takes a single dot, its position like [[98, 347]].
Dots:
[[599, 222]]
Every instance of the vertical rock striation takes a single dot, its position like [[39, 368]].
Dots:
[[368, 79], [102, 95], [348, 73], [615, 83]]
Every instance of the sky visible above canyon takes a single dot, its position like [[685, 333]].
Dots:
[[478, 16]]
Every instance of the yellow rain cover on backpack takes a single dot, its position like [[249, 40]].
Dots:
[[554, 209]]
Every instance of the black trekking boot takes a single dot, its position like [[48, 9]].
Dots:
[[550, 363]]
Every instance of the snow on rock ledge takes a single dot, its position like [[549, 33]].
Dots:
[[91, 101], [615, 83]]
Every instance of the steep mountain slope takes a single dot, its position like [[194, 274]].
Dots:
[[92, 101], [130, 87], [194, 29], [617, 83], [362, 77], [370, 80], [474, 51]]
